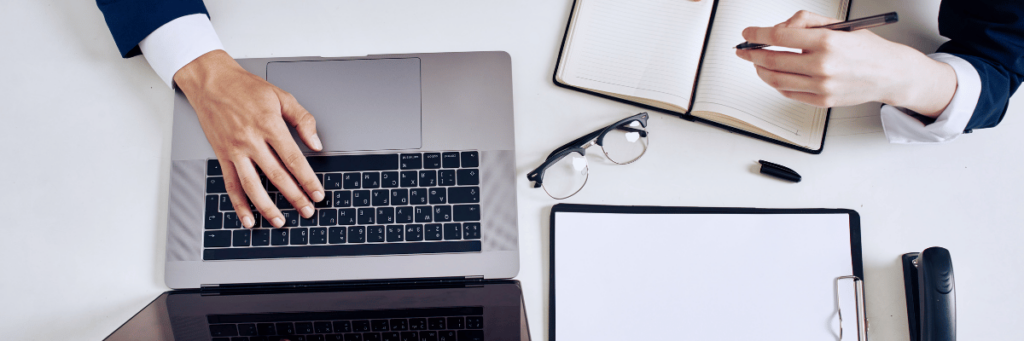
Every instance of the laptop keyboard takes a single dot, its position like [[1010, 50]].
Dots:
[[433, 324], [379, 204]]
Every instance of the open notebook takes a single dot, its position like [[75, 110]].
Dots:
[[678, 56], [691, 273]]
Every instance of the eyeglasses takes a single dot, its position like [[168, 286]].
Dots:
[[566, 170]]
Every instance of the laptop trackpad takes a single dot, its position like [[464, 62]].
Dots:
[[359, 105]]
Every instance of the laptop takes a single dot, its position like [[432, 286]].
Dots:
[[491, 310], [418, 166]]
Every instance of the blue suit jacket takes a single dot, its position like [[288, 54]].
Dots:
[[130, 21]]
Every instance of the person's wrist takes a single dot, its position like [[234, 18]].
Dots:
[[201, 70], [919, 83]]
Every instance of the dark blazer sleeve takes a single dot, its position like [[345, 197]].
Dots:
[[130, 21], [989, 34]]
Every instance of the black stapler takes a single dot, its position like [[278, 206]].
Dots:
[[931, 298]]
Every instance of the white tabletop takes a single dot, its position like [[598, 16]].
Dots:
[[85, 145]]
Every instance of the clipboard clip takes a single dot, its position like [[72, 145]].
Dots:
[[861, 314]]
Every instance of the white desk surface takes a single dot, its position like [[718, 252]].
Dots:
[[85, 144]]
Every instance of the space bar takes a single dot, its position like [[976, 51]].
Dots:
[[341, 250]]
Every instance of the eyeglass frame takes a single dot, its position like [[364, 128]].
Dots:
[[581, 144]]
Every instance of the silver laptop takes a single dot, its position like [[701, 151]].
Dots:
[[418, 165]]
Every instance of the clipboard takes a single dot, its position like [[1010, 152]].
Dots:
[[696, 298]]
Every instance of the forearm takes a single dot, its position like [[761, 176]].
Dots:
[[919, 83]]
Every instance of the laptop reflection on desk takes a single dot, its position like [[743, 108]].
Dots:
[[410, 311]]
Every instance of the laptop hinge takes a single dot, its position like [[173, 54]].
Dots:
[[475, 281], [404, 283]]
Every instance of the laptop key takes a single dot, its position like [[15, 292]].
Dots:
[[435, 323], [470, 159], [223, 330], [215, 184], [360, 326], [431, 160], [282, 202], [364, 216], [213, 167], [360, 198], [432, 232], [463, 195], [212, 203], [217, 238], [456, 323], [336, 235], [346, 216], [285, 328], [213, 220], [423, 214], [395, 233], [371, 180], [342, 198], [279, 237], [466, 212], [291, 218], [381, 197], [240, 238], [327, 202], [231, 220], [300, 236], [428, 178], [357, 234], [428, 336], [450, 160], [411, 161], [446, 177], [399, 197], [474, 322], [470, 335], [389, 179], [323, 327], [410, 336], [303, 328], [332, 181], [452, 231], [446, 335], [225, 203], [414, 232], [471, 230], [260, 237], [443, 213], [438, 196], [328, 217], [408, 179], [312, 221], [392, 336], [468, 177], [350, 180], [399, 324], [265, 329], [379, 325], [403, 215], [385, 215], [342, 327], [375, 234], [418, 196], [418, 324], [318, 235]]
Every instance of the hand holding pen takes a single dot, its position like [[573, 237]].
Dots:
[[838, 68]]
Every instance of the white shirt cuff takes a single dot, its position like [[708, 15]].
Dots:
[[177, 43], [900, 127]]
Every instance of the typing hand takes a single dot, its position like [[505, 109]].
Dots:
[[847, 68], [244, 118]]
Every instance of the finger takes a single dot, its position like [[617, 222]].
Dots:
[[809, 98], [798, 38], [296, 163], [302, 120], [787, 81], [282, 179], [250, 180], [781, 61], [804, 19], [237, 194]]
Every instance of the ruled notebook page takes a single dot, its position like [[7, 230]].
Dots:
[[730, 86], [647, 49]]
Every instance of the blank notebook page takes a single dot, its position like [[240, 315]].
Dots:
[[701, 276], [641, 48], [730, 85]]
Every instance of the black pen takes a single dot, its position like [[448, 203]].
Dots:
[[850, 25]]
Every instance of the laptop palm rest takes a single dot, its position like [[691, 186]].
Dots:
[[359, 105]]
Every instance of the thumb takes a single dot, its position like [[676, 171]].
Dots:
[[805, 19], [302, 120]]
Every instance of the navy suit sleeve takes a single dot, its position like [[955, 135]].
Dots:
[[989, 34], [130, 21]]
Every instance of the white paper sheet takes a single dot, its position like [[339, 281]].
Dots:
[[702, 276]]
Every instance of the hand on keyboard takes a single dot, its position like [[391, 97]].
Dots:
[[244, 118]]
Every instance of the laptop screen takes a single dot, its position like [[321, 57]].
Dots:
[[492, 311]]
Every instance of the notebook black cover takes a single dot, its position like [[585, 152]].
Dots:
[[686, 115], [855, 243]]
